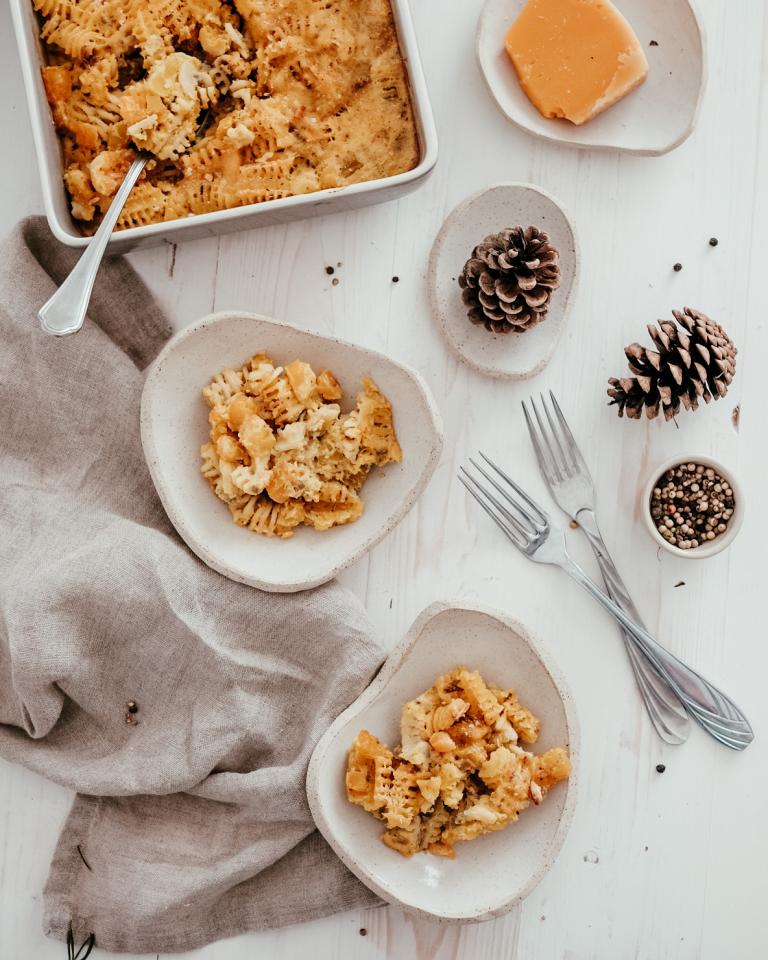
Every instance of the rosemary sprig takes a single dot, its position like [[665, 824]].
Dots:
[[88, 944]]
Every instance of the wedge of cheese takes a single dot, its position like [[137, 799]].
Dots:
[[575, 58]]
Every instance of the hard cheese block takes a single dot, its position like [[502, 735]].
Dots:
[[575, 58]]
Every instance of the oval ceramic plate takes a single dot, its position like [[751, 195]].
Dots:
[[654, 119], [490, 874], [514, 356], [174, 423]]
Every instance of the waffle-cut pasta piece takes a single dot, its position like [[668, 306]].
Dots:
[[328, 386], [436, 791], [210, 467], [276, 442], [263, 515], [369, 772], [223, 387], [325, 514]]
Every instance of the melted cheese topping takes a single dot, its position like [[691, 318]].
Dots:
[[575, 58]]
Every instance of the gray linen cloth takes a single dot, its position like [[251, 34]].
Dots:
[[191, 824]]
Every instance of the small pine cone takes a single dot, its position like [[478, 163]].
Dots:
[[694, 358], [508, 280]]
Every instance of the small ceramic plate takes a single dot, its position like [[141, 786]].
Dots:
[[490, 874], [654, 119], [514, 356], [174, 423]]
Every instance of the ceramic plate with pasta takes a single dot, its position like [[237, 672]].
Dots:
[[301, 96], [468, 779], [322, 445]]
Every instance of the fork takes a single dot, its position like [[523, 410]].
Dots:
[[530, 529], [569, 480], [570, 484]]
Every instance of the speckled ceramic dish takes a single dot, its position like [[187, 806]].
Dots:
[[174, 424], [513, 356], [654, 119], [489, 875]]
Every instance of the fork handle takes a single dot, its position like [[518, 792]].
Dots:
[[65, 312], [710, 707], [665, 709]]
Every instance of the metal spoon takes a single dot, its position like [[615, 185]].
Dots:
[[65, 312]]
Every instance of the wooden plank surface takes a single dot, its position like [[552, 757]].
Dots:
[[656, 866]]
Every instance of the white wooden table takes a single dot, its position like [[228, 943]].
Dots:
[[656, 866]]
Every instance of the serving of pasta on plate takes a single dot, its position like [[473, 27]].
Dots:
[[302, 97]]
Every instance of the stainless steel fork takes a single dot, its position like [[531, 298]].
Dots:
[[530, 529], [570, 484]]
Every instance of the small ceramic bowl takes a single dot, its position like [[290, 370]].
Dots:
[[489, 875], [713, 546], [654, 119], [174, 423]]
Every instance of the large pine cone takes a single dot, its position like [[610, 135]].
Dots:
[[508, 280], [694, 358]]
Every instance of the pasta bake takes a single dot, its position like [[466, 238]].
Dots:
[[281, 453], [294, 96], [460, 770]]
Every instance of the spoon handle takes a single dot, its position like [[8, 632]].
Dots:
[[65, 312]]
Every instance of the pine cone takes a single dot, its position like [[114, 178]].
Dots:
[[508, 280], [693, 358]]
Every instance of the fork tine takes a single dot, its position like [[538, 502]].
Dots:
[[547, 443], [531, 530], [567, 461], [470, 484], [525, 534], [573, 447], [541, 456], [543, 518]]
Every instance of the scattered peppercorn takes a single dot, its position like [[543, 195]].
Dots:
[[691, 504], [653, 43], [363, 932], [395, 279], [335, 281], [329, 270], [677, 267], [660, 768], [713, 241]]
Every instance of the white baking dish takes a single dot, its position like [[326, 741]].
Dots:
[[222, 221]]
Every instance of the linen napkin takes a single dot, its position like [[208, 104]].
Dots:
[[190, 821]]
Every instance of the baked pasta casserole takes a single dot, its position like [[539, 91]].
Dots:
[[460, 771], [238, 101]]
